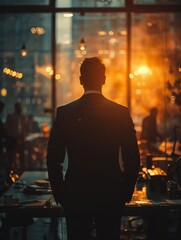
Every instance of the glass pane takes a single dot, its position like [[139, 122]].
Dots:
[[156, 60], [157, 1], [25, 77], [23, 2], [92, 3], [79, 36]]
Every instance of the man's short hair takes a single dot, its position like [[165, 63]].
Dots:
[[92, 70]]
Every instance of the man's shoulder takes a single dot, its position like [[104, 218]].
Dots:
[[146, 119], [108, 102], [68, 105], [118, 106]]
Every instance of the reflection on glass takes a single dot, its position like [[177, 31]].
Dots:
[[157, 2], [155, 60], [103, 35], [93, 3], [23, 2]]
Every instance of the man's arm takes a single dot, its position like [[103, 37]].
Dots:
[[131, 157], [55, 159]]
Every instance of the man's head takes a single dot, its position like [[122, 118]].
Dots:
[[92, 74], [153, 111]]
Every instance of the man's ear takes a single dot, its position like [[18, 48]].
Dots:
[[103, 79], [81, 80]]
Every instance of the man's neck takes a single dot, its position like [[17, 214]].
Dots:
[[92, 91]]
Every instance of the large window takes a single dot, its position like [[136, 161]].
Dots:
[[43, 42], [163, 2], [156, 61], [92, 3], [23, 2], [25, 62], [79, 36]]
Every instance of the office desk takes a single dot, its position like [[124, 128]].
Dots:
[[155, 208]]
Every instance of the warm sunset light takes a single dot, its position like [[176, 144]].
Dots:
[[131, 75], [143, 70]]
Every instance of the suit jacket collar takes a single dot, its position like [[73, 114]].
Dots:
[[92, 99]]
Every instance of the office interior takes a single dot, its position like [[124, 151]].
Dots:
[[43, 43]]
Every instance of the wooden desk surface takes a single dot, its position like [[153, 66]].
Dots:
[[154, 207], [26, 200], [33, 204]]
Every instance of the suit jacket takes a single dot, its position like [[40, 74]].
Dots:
[[92, 130]]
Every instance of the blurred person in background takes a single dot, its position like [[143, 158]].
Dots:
[[16, 126], [149, 127], [32, 125]]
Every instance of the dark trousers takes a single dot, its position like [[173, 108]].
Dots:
[[107, 222]]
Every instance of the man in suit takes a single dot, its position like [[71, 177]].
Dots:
[[96, 133]]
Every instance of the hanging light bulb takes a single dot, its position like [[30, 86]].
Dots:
[[82, 44], [24, 51]]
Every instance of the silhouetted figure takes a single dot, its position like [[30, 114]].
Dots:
[[32, 125], [16, 125], [149, 127], [96, 133], [2, 136]]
